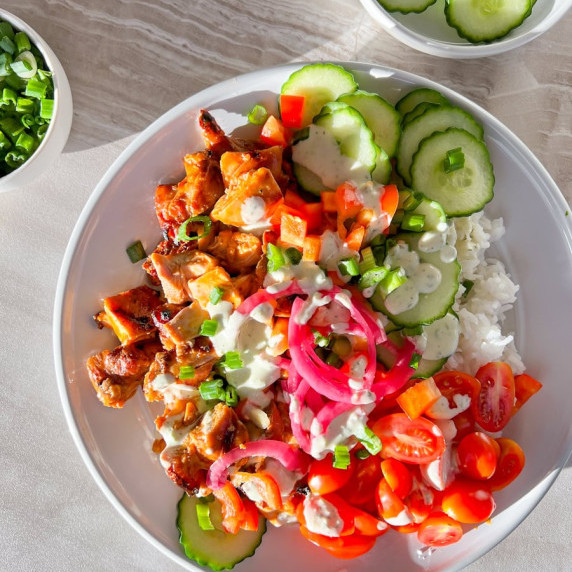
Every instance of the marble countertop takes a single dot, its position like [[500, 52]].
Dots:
[[128, 61]]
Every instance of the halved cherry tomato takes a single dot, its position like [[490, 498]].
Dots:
[[344, 547], [420, 501], [451, 383], [525, 387], [439, 529], [360, 490], [509, 465], [324, 478], [493, 407], [275, 133], [345, 511], [407, 528], [477, 455], [412, 441], [364, 522], [390, 507], [464, 423], [398, 477], [469, 502]]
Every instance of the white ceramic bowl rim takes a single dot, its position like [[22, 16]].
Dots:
[[199, 100]]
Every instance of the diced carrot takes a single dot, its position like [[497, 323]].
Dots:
[[313, 214], [275, 133], [347, 200], [292, 110], [525, 387], [312, 248], [293, 199], [283, 208], [364, 216], [329, 202], [419, 397], [390, 199], [355, 238], [293, 230]]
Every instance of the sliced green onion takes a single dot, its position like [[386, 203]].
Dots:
[[24, 105], [208, 328], [41, 131], [362, 454], [216, 295], [341, 346], [4, 142], [47, 109], [369, 440], [394, 279], [372, 277], [25, 143], [186, 372], [378, 240], [334, 360], [342, 458], [14, 159], [36, 88], [230, 396], [454, 160], [413, 331], [7, 44], [5, 61], [293, 255], [136, 252], [412, 201], [413, 222], [467, 285], [415, 359], [275, 257], [11, 127], [367, 260], [204, 517], [212, 389], [348, 267], [398, 216], [182, 235], [257, 115], [232, 360], [6, 29], [21, 68], [320, 340], [22, 41], [9, 96], [28, 120]]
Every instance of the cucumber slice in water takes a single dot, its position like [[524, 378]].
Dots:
[[319, 84], [438, 119], [462, 191], [214, 548], [406, 6], [487, 20]]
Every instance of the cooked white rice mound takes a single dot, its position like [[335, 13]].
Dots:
[[482, 311]]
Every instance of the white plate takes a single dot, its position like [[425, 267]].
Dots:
[[116, 445], [429, 32]]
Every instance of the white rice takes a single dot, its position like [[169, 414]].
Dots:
[[482, 311]]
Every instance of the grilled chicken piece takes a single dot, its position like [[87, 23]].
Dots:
[[219, 431], [215, 138], [185, 467], [129, 314], [247, 284], [175, 270], [251, 199], [239, 251], [116, 374], [202, 287]]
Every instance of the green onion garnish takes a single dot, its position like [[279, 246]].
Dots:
[[454, 160], [414, 362], [342, 458], [372, 277], [413, 222], [24, 105], [412, 201], [230, 396], [334, 360], [182, 235], [394, 279], [369, 440], [367, 260], [257, 115], [348, 267], [212, 389], [204, 517], [467, 285], [7, 45], [293, 255], [320, 340], [232, 360], [186, 372], [275, 257], [25, 142], [37, 89], [6, 30], [9, 96], [216, 295], [136, 252], [413, 331], [22, 41], [208, 328], [362, 454]]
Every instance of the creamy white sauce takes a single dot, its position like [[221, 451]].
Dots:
[[322, 516], [370, 194], [441, 337], [333, 250], [285, 479], [309, 276], [402, 519], [441, 410], [252, 210], [263, 313]]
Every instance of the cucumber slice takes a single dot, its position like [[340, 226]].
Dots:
[[406, 6], [417, 111], [318, 83], [339, 147], [379, 115], [435, 217], [486, 21], [420, 95], [442, 337], [438, 119], [383, 168], [426, 367], [214, 548], [460, 192], [430, 307]]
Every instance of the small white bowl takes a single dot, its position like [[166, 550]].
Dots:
[[60, 124], [429, 32]]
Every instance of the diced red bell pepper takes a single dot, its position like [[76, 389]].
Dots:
[[348, 201], [390, 199], [355, 237], [275, 133], [292, 110], [312, 248]]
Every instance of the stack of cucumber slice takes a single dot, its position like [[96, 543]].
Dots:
[[475, 20]]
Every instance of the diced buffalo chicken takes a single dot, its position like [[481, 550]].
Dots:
[[185, 467], [259, 183], [186, 324], [215, 138], [175, 270], [129, 314], [219, 431], [201, 287], [238, 251], [116, 374]]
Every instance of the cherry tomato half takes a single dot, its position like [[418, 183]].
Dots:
[[421, 501], [477, 455], [451, 383], [493, 407], [360, 490], [398, 477], [509, 465], [469, 502], [525, 387], [344, 547], [324, 478], [390, 507], [464, 423], [412, 441], [439, 529]]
